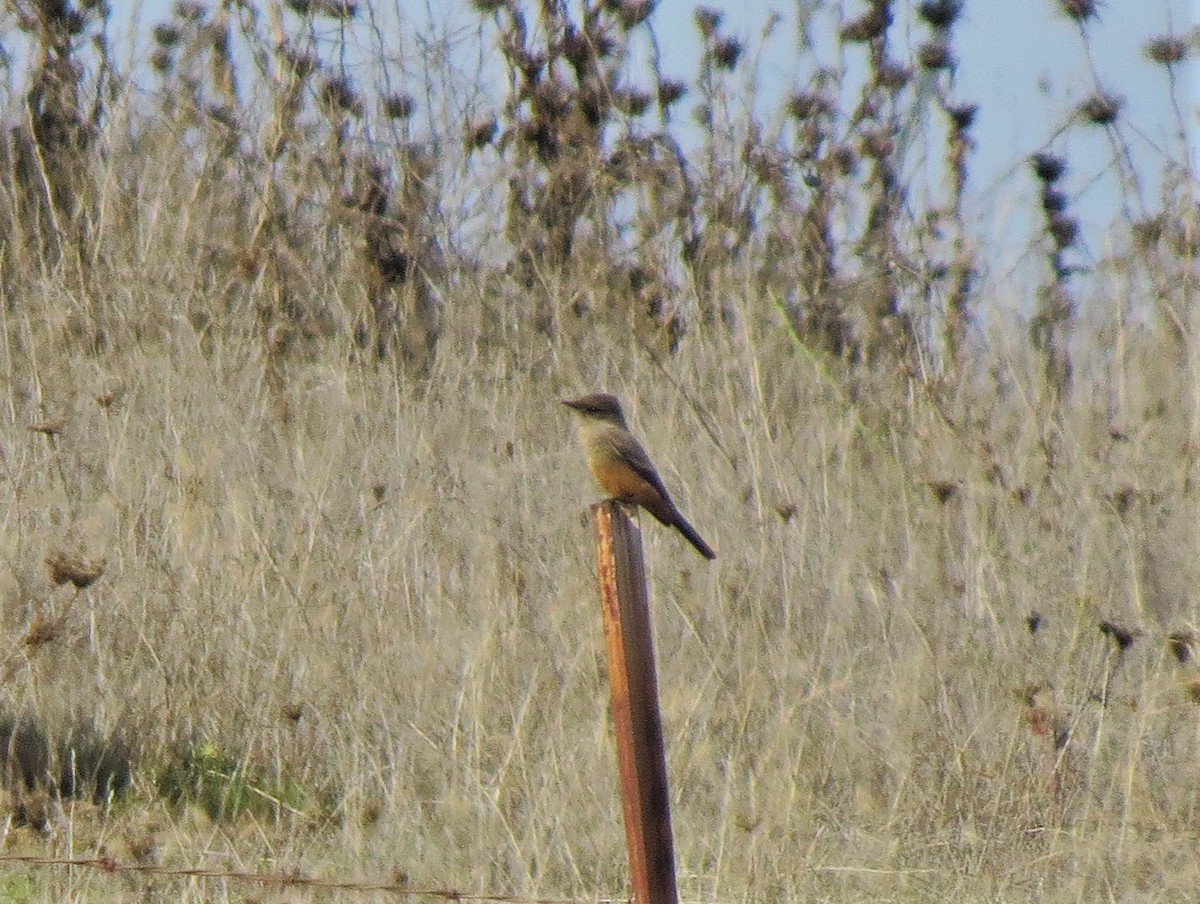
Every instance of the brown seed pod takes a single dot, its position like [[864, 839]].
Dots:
[[1048, 167], [42, 630], [1079, 10], [66, 567], [708, 20], [726, 52], [867, 27], [1182, 645], [1122, 636], [940, 13], [1167, 49], [934, 55], [1100, 109]]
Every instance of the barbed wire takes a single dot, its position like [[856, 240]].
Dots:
[[290, 879], [297, 879]]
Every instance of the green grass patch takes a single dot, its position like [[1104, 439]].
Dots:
[[225, 787]]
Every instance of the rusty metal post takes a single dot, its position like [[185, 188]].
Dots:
[[638, 726]]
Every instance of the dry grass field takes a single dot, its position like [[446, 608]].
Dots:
[[346, 622]]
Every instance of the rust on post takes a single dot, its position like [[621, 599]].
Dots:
[[638, 726]]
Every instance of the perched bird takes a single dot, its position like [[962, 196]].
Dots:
[[622, 466]]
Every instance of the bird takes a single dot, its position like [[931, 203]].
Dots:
[[622, 467]]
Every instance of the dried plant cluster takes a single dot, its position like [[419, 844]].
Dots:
[[296, 567]]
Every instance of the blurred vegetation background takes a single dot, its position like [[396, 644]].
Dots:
[[296, 568]]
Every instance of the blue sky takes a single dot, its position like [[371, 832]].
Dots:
[[1020, 61], [1024, 64]]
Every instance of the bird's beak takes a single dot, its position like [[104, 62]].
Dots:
[[571, 403]]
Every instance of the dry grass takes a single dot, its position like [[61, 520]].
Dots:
[[388, 600], [945, 653]]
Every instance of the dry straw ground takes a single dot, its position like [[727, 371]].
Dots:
[[345, 589]]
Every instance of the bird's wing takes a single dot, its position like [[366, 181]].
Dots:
[[631, 451]]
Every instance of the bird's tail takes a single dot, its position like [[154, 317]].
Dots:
[[689, 533]]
